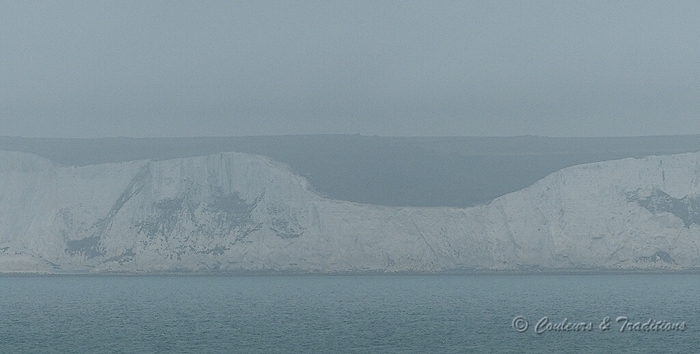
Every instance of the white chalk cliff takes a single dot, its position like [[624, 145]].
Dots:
[[235, 212]]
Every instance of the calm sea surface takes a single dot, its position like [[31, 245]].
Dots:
[[346, 314]]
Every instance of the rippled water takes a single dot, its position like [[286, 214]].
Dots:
[[342, 314]]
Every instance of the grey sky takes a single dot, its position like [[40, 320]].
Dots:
[[400, 68]]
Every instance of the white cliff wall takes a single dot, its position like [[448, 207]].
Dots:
[[238, 212]]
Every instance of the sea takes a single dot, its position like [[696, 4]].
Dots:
[[607, 313]]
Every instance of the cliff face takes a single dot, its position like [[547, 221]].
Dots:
[[238, 212]]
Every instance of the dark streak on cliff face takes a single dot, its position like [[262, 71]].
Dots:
[[658, 256], [90, 246], [687, 208], [231, 213]]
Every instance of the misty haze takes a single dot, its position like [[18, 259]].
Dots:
[[349, 177]]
